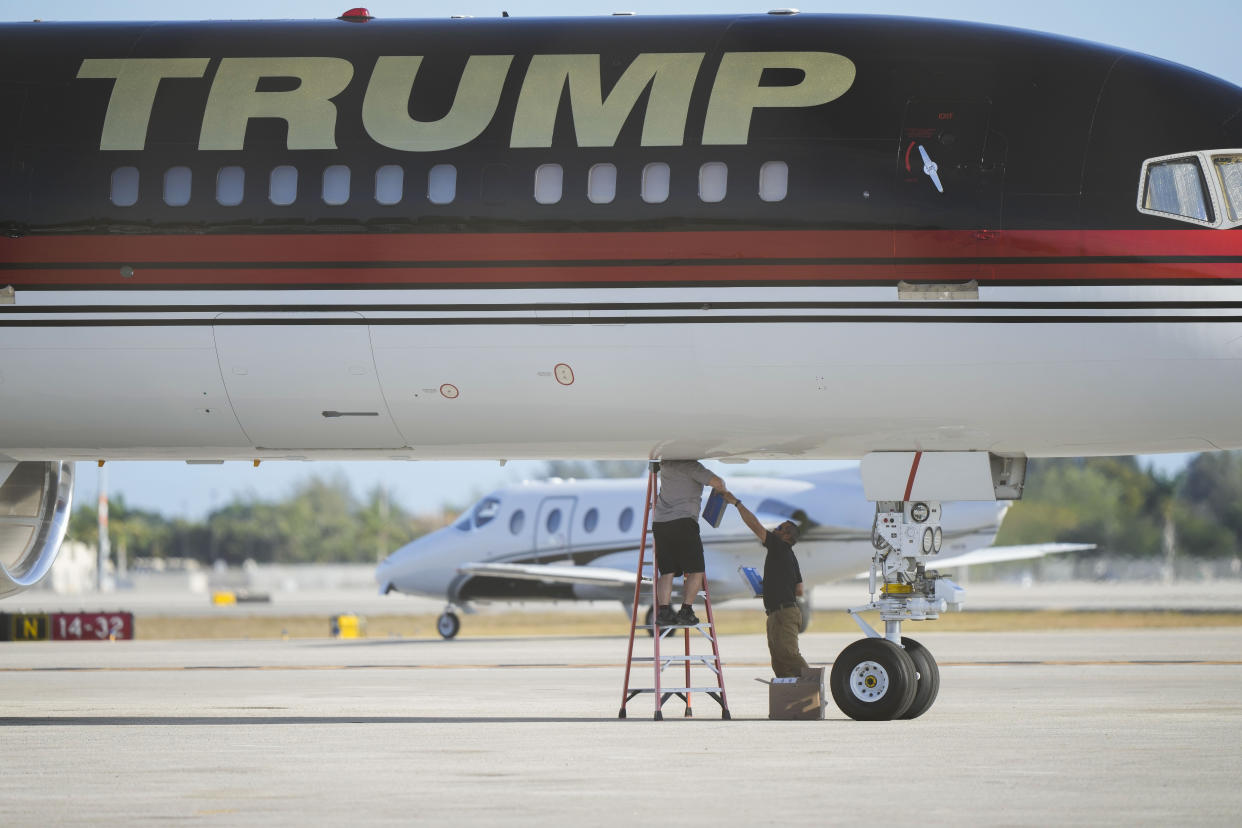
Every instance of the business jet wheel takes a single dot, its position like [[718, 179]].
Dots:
[[928, 678], [448, 625], [873, 680], [647, 619]]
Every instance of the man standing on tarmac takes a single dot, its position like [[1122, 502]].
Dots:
[[782, 585], [678, 547]]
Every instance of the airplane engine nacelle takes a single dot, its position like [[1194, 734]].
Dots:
[[35, 499]]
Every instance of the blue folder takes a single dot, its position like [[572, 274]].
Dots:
[[714, 511], [753, 578]]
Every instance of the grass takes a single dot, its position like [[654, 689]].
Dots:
[[521, 624]]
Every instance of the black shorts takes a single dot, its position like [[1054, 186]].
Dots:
[[679, 549]]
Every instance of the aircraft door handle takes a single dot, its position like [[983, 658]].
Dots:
[[931, 169]]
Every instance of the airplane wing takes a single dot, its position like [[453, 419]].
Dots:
[[553, 573], [997, 554]]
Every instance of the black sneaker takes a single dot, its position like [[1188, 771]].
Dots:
[[666, 617], [686, 616]]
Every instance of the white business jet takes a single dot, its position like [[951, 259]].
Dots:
[[577, 540]]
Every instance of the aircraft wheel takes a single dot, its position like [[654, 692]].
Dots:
[[804, 606], [928, 678], [448, 625], [873, 680], [647, 619]]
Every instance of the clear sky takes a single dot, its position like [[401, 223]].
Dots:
[[1198, 33]]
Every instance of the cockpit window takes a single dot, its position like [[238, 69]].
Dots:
[[1177, 187], [485, 511], [1229, 170]]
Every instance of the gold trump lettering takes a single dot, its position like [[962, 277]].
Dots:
[[385, 109], [598, 120], [667, 79]]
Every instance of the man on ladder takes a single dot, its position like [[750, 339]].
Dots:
[[675, 525]]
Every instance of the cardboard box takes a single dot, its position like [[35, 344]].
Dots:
[[799, 698]]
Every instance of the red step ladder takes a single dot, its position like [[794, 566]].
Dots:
[[661, 691]]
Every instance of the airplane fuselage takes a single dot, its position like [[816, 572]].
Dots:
[[758, 236]]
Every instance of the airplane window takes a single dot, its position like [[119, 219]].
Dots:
[[283, 185], [713, 181], [442, 184], [517, 521], [230, 186], [655, 183], [591, 519], [554, 520], [336, 184], [389, 182], [602, 183], [626, 520], [774, 181], [464, 526], [124, 186], [549, 179], [1177, 187], [485, 511], [177, 186], [1229, 169]]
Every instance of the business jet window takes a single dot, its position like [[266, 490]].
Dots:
[[516, 521], [177, 186], [602, 183], [774, 181], [626, 520], [1177, 187], [590, 520], [1229, 171], [554, 521], [230, 186], [713, 182], [485, 511], [283, 186], [655, 182], [124, 191], [389, 183], [336, 184], [549, 180], [442, 184]]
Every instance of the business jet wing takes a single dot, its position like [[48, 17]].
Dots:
[[997, 554], [553, 573]]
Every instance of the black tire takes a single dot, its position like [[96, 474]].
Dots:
[[647, 619], [804, 606], [448, 625], [928, 678], [873, 680]]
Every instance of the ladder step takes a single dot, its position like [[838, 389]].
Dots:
[[693, 659], [715, 688]]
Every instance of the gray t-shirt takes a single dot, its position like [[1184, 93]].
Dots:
[[681, 489]]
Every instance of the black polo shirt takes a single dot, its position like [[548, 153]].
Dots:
[[780, 572]]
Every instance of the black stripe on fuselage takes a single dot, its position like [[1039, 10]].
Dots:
[[957, 319]]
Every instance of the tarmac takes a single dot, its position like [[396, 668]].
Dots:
[[1133, 727]]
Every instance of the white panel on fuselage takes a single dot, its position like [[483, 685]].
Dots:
[[305, 386], [111, 389]]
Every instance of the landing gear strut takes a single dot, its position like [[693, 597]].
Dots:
[[887, 676]]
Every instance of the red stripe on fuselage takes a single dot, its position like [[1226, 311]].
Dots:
[[621, 257]]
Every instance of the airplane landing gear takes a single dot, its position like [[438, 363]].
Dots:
[[448, 624], [887, 676]]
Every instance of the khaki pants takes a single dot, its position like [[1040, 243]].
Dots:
[[787, 661]]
